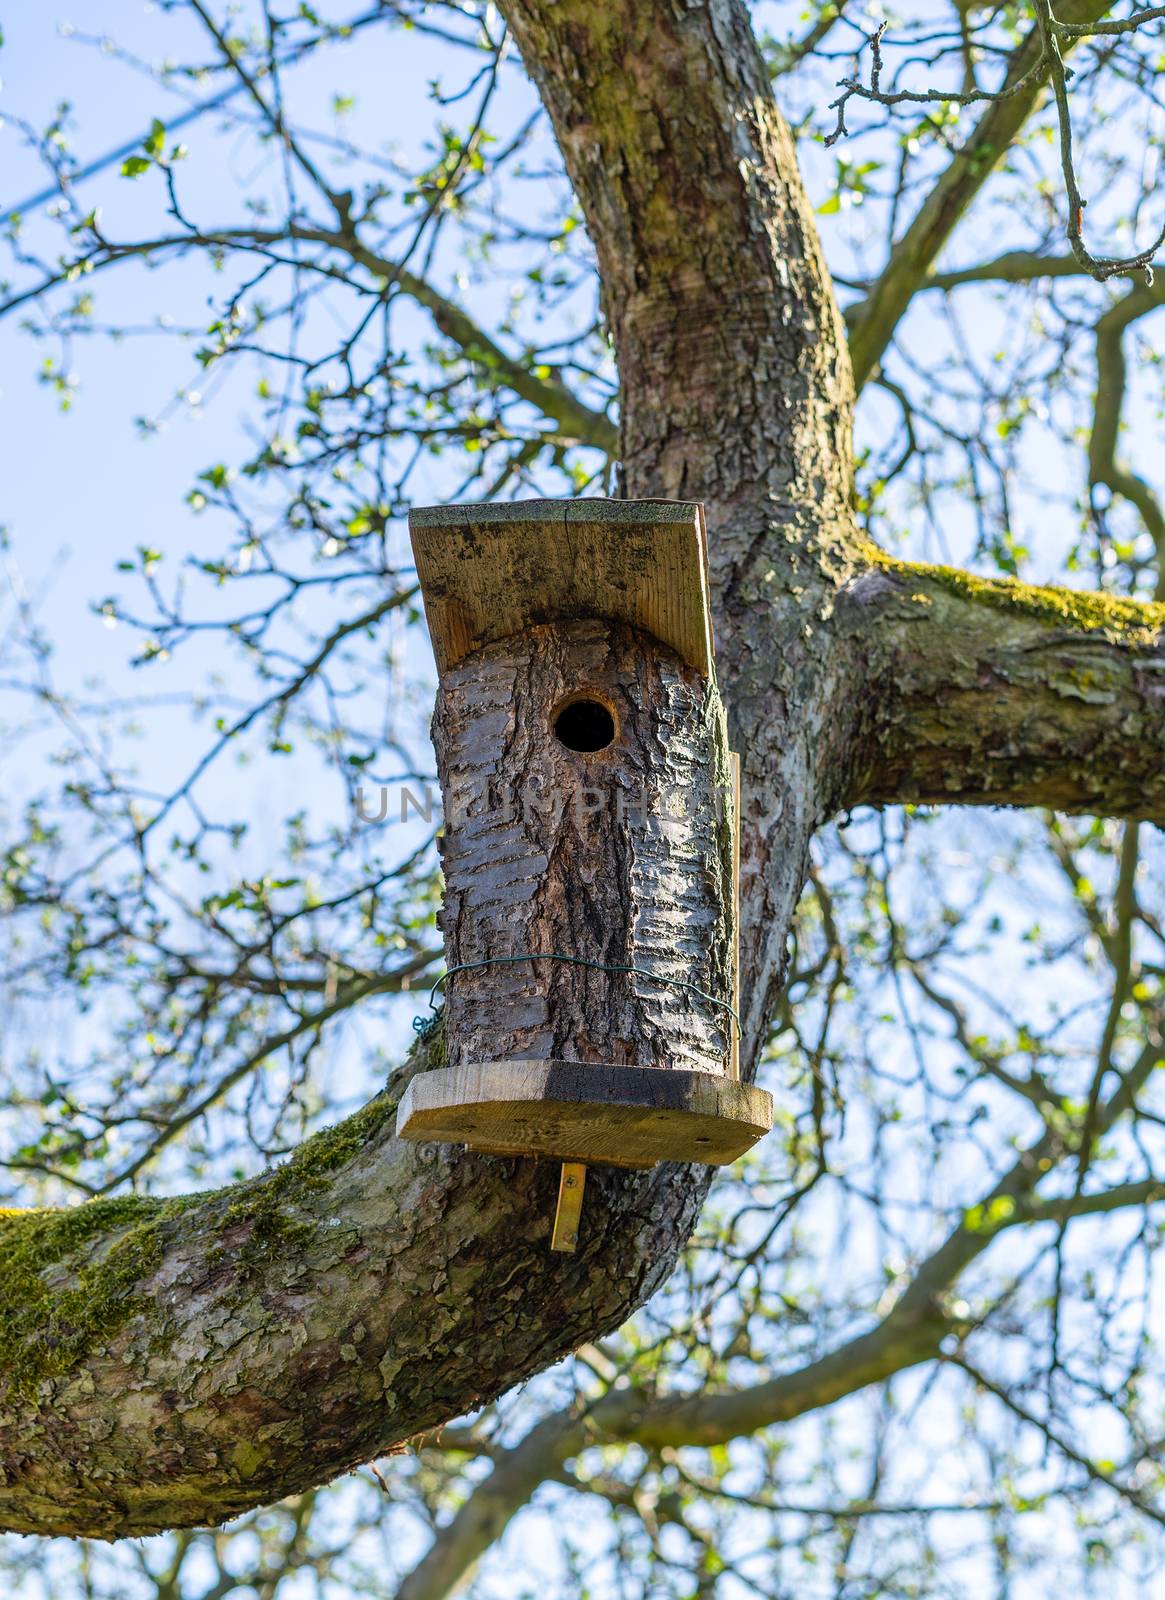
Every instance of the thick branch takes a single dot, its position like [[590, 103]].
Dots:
[[991, 692], [1014, 266], [483, 1518], [172, 1363], [179, 1363]]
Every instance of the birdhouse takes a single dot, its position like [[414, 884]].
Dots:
[[590, 843]]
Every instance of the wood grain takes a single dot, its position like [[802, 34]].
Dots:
[[597, 1113], [490, 572]]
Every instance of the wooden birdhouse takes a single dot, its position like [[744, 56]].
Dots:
[[590, 843]]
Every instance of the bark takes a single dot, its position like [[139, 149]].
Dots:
[[996, 693], [174, 1364], [621, 857], [735, 386]]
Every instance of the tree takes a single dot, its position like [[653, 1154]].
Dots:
[[171, 1362]]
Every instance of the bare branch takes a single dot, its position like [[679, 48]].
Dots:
[[873, 321]]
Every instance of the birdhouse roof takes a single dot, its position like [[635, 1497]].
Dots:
[[488, 572]]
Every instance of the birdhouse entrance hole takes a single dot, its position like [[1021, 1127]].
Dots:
[[584, 723]]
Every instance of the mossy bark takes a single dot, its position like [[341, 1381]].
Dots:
[[987, 692], [172, 1364]]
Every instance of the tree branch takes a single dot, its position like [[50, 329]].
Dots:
[[1105, 469], [1014, 266], [910, 1333], [873, 320], [993, 692], [1104, 466], [178, 1362], [1055, 36], [554, 400], [577, 421], [483, 1518], [171, 1363]]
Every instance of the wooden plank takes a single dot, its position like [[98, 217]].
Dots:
[[568, 1213], [590, 1112], [488, 572], [734, 1053]]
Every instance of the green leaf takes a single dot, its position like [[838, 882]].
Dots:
[[155, 141], [134, 166]]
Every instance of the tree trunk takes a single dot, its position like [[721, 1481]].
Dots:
[[735, 386], [267, 1339]]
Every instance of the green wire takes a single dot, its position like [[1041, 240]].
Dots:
[[423, 1025]]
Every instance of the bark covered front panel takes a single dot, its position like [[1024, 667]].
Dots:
[[619, 856]]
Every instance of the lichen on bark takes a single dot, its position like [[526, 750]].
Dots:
[[994, 692]]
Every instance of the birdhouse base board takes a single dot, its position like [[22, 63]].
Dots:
[[575, 1111]]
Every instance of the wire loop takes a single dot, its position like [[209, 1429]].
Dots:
[[425, 1026]]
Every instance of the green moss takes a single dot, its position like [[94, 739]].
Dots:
[[68, 1277], [1127, 621], [326, 1152], [44, 1330], [268, 1205]]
